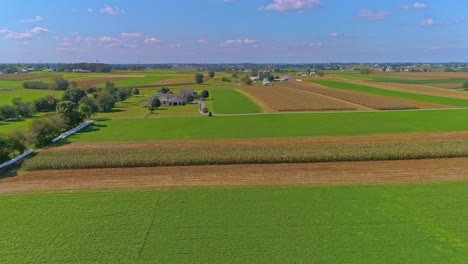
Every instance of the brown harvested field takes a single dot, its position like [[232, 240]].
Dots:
[[445, 85], [417, 89], [272, 142], [98, 80], [425, 75], [376, 102], [278, 98], [333, 173]]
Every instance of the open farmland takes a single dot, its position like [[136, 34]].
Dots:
[[239, 225], [455, 102], [230, 101], [279, 98], [275, 126], [416, 89], [78, 156], [372, 101], [25, 77]]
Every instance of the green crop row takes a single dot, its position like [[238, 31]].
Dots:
[[220, 155]]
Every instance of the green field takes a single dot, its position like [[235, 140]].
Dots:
[[373, 224], [230, 101], [275, 125], [409, 96]]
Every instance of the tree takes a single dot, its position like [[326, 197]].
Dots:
[[320, 73], [246, 80], [271, 78], [204, 94], [465, 85], [199, 78], [60, 84], [85, 111], [190, 98], [7, 112], [105, 101], [74, 95], [10, 147], [22, 109], [42, 131], [136, 91], [234, 75], [69, 112], [155, 103], [366, 71], [211, 74], [90, 102], [123, 93], [46, 104], [164, 90]]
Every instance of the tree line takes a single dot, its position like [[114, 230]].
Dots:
[[75, 106]]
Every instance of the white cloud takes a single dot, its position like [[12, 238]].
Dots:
[[202, 41], [17, 35], [109, 10], [32, 20], [370, 14], [38, 30], [90, 10], [334, 35], [152, 40], [416, 5], [108, 39], [131, 35], [427, 22], [292, 5], [239, 42]]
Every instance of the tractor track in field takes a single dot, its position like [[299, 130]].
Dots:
[[330, 173]]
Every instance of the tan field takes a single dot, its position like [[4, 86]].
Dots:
[[417, 89], [280, 98], [331, 173], [376, 102], [425, 75]]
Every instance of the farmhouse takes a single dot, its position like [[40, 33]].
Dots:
[[173, 99]]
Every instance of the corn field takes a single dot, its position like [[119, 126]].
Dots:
[[221, 155]]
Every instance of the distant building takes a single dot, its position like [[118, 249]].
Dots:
[[81, 71]]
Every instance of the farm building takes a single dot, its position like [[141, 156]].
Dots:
[[173, 99]]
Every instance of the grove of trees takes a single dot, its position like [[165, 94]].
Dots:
[[199, 78]]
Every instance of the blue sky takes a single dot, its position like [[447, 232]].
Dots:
[[212, 31]]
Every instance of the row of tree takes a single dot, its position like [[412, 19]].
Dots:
[[58, 84], [199, 78], [17, 110]]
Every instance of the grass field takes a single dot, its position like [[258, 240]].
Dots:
[[374, 224], [230, 101], [410, 96], [276, 125]]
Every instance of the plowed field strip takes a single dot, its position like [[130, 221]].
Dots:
[[417, 89], [364, 100], [286, 99], [272, 142], [339, 173], [94, 81]]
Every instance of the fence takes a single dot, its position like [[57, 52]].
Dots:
[[72, 131], [16, 159]]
